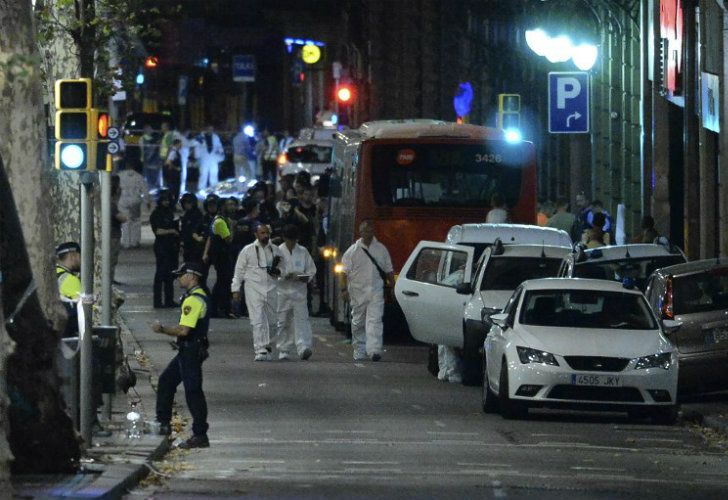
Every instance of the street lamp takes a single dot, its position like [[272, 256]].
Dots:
[[561, 48]]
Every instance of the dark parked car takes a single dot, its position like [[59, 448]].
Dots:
[[696, 294]]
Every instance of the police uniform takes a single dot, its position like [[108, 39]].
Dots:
[[221, 259], [186, 366], [69, 288]]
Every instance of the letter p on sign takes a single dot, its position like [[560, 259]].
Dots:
[[566, 88]]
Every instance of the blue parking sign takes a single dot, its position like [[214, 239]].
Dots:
[[243, 68], [569, 102]]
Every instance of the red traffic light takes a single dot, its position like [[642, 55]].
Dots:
[[344, 94], [103, 125], [151, 62]]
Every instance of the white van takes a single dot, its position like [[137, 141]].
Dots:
[[439, 288]]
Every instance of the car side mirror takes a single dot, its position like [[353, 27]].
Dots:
[[500, 319], [670, 326], [464, 289]]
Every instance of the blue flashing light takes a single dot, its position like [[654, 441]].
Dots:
[[72, 156], [288, 41], [140, 79], [320, 44], [513, 135], [289, 48], [299, 41], [309, 42], [249, 130]]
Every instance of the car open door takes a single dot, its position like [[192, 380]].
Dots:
[[427, 291]]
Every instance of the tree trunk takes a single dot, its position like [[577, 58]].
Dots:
[[6, 346], [41, 434]]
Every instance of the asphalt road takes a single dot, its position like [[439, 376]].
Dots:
[[333, 428]]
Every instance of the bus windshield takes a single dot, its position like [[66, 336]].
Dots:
[[447, 175]]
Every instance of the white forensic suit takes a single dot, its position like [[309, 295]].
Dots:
[[366, 296], [260, 291], [184, 156], [292, 305], [133, 191], [450, 365], [208, 159]]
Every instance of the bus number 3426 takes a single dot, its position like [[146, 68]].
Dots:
[[488, 158]]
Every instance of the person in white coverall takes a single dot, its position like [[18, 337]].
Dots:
[[448, 360], [258, 265], [363, 284], [297, 270], [209, 153]]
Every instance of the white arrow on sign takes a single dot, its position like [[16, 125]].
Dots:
[[112, 148], [575, 116], [113, 133]]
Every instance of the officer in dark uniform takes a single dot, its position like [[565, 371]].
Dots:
[[166, 248], [186, 366], [69, 283]]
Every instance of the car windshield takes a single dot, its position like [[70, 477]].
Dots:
[[309, 154], [702, 292], [586, 309], [506, 273], [447, 175], [637, 269]]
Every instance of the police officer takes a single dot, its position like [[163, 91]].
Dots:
[[166, 248], [186, 366], [69, 283], [218, 254]]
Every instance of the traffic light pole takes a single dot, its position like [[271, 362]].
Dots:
[[105, 181], [87, 290]]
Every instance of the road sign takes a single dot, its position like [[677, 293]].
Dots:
[[243, 68], [112, 148], [569, 102], [113, 133]]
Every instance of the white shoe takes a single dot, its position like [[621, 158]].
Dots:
[[283, 356], [262, 356]]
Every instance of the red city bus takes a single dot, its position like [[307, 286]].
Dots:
[[415, 179]]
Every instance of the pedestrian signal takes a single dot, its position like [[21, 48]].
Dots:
[[509, 111]]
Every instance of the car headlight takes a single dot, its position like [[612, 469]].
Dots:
[[662, 360], [528, 355]]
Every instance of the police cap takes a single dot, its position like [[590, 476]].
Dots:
[[67, 247], [189, 267]]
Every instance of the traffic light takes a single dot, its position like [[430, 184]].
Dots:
[[509, 111], [81, 130], [344, 94]]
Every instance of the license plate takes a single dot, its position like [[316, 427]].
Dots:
[[716, 336], [597, 380]]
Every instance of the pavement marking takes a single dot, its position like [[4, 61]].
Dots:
[[658, 440], [472, 464], [452, 433], [364, 462], [440, 424], [593, 469], [417, 407]]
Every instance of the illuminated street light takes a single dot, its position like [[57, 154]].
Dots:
[[585, 56], [560, 49], [536, 40]]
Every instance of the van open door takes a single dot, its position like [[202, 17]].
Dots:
[[427, 291]]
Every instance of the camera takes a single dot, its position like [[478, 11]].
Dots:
[[273, 268]]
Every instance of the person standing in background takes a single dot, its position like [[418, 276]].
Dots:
[[134, 191], [497, 212], [193, 245], [173, 168], [564, 220], [209, 153], [166, 249], [150, 159]]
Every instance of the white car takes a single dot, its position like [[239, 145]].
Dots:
[[576, 342], [635, 262]]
